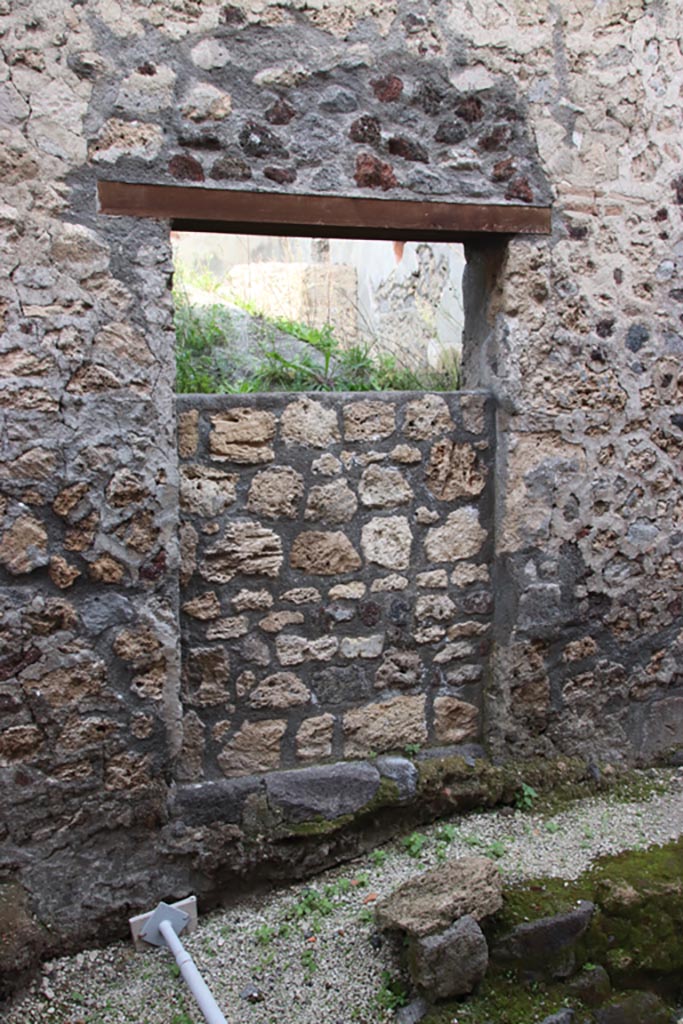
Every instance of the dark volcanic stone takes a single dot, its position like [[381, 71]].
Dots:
[[341, 683], [282, 175], [520, 189], [387, 89], [430, 98], [401, 771], [366, 129], [470, 109], [635, 1008], [678, 189], [495, 139], [399, 145], [503, 170], [450, 132], [561, 1017], [232, 15], [337, 100], [257, 140], [230, 168], [186, 168], [370, 613], [374, 173], [592, 986], [543, 945], [636, 337], [327, 792], [604, 328], [451, 962], [281, 112], [212, 802]]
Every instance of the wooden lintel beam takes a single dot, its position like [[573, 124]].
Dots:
[[274, 213]]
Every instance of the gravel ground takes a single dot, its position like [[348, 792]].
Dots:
[[309, 954]]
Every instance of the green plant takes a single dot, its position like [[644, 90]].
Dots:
[[174, 970], [525, 797], [447, 833], [378, 857], [365, 915], [181, 1018], [495, 849], [308, 961], [552, 826], [411, 749], [392, 993], [264, 934], [415, 843]]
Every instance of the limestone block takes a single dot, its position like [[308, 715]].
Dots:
[[228, 629], [69, 685], [122, 341], [206, 491], [247, 549], [428, 634], [35, 464], [301, 595], [208, 675], [204, 102], [279, 691], [434, 606], [309, 422], [188, 433], [138, 646], [400, 670], [106, 569], [125, 488], [406, 454], [119, 138], [210, 54], [453, 471], [19, 742], [426, 418], [464, 674], [432, 901], [203, 607], [188, 552], [252, 600], [276, 621], [314, 738], [386, 726], [191, 761], [433, 579], [362, 647], [93, 379], [472, 409], [452, 962], [460, 537], [334, 503], [369, 420], [426, 516], [347, 591], [242, 435], [393, 582], [455, 720], [384, 488], [255, 748], [276, 492], [467, 573], [293, 650], [387, 542], [326, 465], [23, 547], [453, 652], [324, 554], [62, 573]]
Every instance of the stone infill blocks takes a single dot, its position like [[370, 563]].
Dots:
[[336, 593]]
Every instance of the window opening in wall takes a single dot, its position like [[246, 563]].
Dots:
[[273, 313]]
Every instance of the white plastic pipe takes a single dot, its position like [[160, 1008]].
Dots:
[[198, 987]]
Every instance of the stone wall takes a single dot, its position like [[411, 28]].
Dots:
[[336, 594], [578, 336]]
